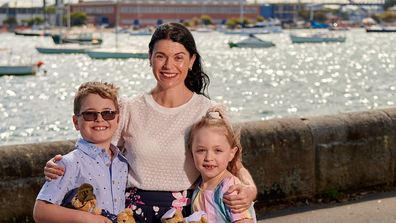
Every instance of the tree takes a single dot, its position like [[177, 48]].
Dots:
[[206, 20], [78, 18], [10, 21]]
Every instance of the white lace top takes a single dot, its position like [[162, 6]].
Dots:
[[154, 138]]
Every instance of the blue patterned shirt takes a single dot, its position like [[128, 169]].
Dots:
[[88, 163]]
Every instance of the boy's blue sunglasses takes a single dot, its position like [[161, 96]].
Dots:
[[92, 116]]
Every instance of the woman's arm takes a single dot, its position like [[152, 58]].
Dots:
[[46, 212], [52, 170], [244, 193], [244, 221]]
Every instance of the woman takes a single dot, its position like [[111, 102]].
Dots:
[[154, 126]]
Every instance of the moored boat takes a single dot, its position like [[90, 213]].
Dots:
[[317, 38], [18, 70], [63, 49], [115, 53], [251, 42], [82, 38], [381, 29]]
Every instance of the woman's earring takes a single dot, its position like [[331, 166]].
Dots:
[[189, 69]]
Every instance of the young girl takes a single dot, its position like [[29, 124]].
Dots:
[[216, 150]]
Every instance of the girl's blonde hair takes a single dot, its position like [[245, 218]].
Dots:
[[216, 118]]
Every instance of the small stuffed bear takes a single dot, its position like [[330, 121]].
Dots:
[[85, 199], [176, 216], [125, 216], [173, 216]]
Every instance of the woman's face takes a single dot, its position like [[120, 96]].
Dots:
[[170, 62]]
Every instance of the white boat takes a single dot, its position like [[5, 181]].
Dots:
[[18, 70], [115, 53], [317, 38], [63, 49], [143, 32], [245, 31], [251, 42]]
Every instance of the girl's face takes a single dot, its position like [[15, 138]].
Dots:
[[98, 131], [170, 62], [211, 152]]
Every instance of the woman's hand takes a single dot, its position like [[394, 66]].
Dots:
[[240, 197], [52, 170]]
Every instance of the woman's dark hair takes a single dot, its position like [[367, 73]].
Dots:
[[197, 80]]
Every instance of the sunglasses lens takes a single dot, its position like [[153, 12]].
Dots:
[[108, 115], [89, 116], [92, 116]]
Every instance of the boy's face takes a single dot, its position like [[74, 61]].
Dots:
[[98, 131]]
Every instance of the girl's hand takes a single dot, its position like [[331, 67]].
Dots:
[[239, 197], [52, 170]]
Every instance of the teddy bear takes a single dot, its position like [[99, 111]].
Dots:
[[125, 216], [175, 216], [85, 200]]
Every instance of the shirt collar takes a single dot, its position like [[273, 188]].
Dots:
[[93, 150]]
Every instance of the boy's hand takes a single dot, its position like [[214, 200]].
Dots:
[[239, 197], [52, 170]]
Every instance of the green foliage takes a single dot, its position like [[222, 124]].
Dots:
[[11, 21], [387, 16], [33, 21], [206, 20], [260, 19], [50, 10], [78, 18], [235, 22]]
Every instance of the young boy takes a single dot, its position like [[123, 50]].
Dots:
[[94, 160]]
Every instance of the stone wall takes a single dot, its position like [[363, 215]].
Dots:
[[289, 159]]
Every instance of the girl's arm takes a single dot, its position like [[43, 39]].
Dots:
[[46, 212], [246, 192]]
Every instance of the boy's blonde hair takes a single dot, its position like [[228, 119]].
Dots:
[[216, 118], [103, 89]]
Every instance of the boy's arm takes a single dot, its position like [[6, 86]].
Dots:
[[245, 193], [46, 212]]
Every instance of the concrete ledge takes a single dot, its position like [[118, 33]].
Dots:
[[289, 158]]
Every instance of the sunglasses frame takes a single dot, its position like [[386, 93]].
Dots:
[[87, 115]]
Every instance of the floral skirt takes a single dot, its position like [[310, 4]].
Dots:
[[149, 206]]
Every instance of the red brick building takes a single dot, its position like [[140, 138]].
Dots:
[[149, 14]]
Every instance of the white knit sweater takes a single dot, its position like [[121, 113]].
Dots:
[[154, 138]]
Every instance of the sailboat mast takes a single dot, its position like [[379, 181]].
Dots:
[[117, 18]]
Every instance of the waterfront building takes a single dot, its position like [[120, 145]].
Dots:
[[135, 13]]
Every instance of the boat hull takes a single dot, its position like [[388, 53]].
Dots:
[[87, 40], [59, 50], [97, 54], [251, 45], [18, 70], [311, 39]]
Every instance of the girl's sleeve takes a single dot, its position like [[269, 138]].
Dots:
[[248, 214]]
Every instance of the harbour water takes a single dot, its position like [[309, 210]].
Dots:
[[288, 80]]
